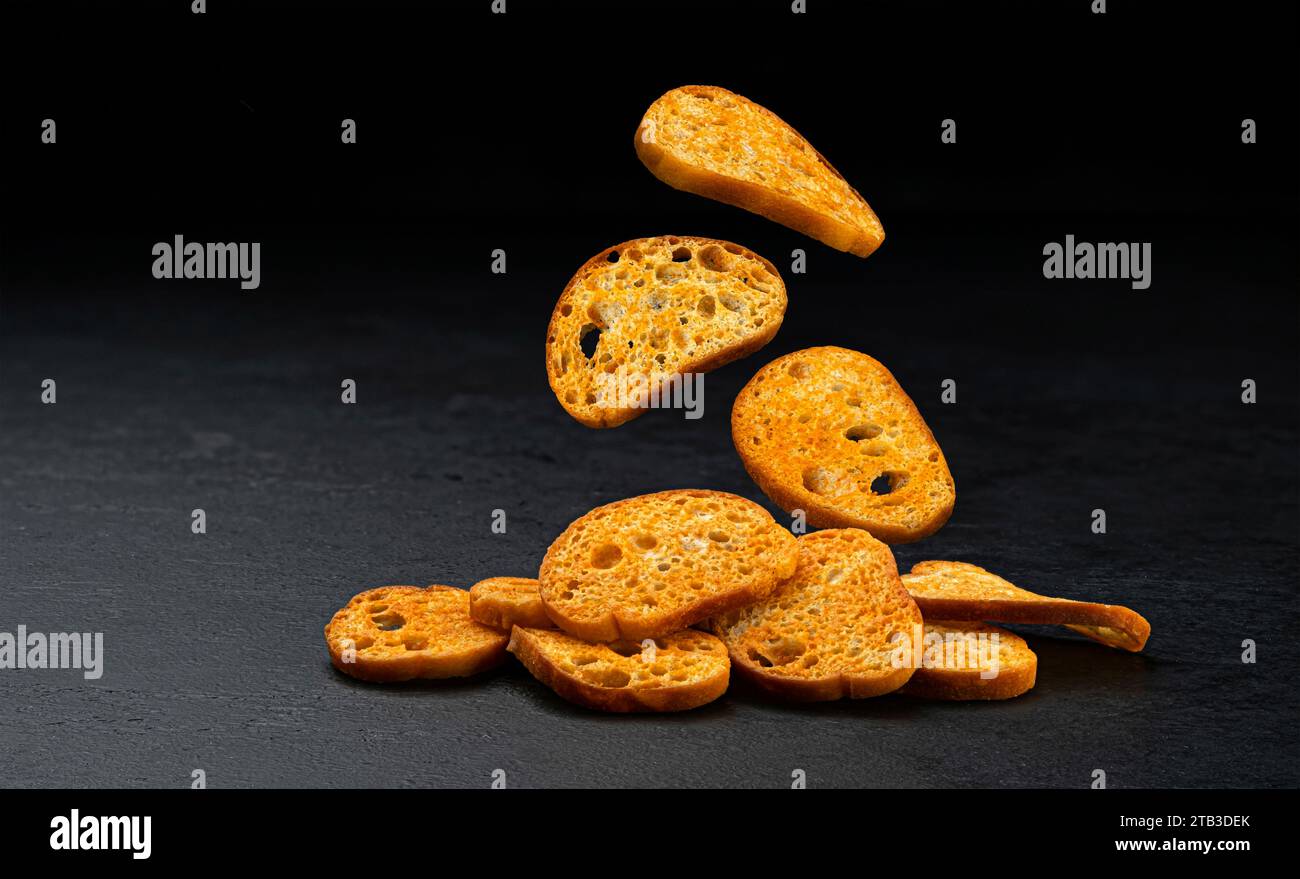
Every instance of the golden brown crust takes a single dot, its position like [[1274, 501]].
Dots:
[[506, 602], [398, 633], [668, 310], [961, 591], [830, 631], [819, 429], [1017, 667], [689, 669], [677, 167], [647, 566]]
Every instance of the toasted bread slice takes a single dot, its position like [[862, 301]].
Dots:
[[506, 602], [656, 309], [830, 631], [396, 633], [650, 565], [830, 432], [683, 670], [709, 141], [958, 591], [972, 661]]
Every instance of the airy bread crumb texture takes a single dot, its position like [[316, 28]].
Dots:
[[827, 633], [506, 602], [715, 143], [673, 673], [830, 431], [956, 671], [648, 566], [396, 633], [957, 590], [647, 310]]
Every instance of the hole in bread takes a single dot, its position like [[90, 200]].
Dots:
[[715, 258], [378, 608], [626, 648], [363, 642], [604, 677], [388, 621], [783, 651], [818, 480], [605, 556], [566, 309], [799, 370], [934, 456], [682, 254], [415, 643], [863, 432], [571, 397], [588, 339], [645, 541], [584, 659], [706, 306], [719, 536], [731, 302], [613, 256], [888, 482], [669, 272]]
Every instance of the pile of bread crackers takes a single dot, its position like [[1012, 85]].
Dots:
[[649, 603]]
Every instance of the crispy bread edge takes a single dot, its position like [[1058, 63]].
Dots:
[[622, 700], [758, 199]]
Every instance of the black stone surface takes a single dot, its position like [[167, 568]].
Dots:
[[214, 399]]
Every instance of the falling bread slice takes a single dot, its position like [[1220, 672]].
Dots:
[[640, 319], [674, 673], [830, 432], [958, 591], [831, 631], [650, 565], [709, 141], [397, 633], [506, 602], [972, 661]]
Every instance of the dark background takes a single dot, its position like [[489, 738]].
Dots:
[[478, 131]]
